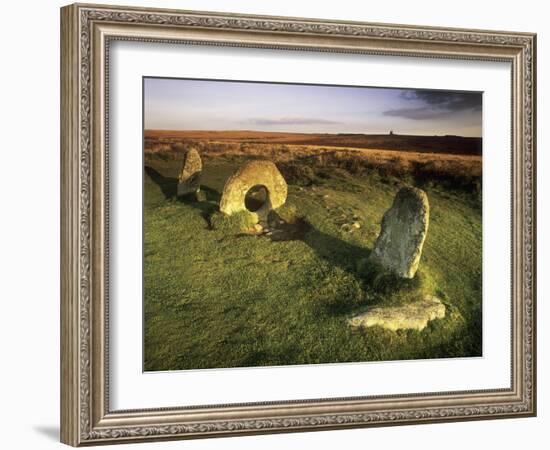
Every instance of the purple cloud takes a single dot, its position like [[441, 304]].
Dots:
[[293, 121]]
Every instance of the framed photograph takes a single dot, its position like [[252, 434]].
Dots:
[[276, 224]]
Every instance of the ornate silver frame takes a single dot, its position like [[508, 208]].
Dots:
[[86, 31]]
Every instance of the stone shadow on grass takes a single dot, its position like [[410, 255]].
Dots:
[[377, 283], [169, 186], [350, 258], [334, 250], [337, 252]]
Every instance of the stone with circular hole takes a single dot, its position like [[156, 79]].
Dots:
[[257, 187]]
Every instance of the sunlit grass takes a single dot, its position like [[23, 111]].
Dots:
[[217, 297]]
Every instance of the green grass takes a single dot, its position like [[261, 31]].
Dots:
[[217, 297]]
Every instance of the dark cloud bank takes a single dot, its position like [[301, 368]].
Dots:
[[435, 104]]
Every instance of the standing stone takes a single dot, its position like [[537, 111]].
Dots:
[[404, 228], [251, 175], [189, 180]]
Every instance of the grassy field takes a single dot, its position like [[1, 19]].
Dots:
[[215, 296]]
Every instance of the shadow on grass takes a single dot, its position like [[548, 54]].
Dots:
[[335, 250], [348, 257], [169, 186], [378, 285]]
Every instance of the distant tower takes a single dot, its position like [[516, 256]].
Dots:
[[391, 132]]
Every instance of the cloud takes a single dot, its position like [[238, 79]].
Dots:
[[420, 113], [435, 104], [293, 121]]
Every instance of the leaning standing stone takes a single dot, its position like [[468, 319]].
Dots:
[[404, 228], [189, 180]]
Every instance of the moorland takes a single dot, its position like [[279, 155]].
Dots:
[[216, 296]]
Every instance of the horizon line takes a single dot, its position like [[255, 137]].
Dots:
[[308, 133]]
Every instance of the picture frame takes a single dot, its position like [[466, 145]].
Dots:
[[87, 32]]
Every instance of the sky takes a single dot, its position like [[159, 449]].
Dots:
[[185, 104]]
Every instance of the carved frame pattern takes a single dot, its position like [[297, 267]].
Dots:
[[94, 423]]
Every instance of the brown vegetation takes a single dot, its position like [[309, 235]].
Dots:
[[456, 145], [303, 164]]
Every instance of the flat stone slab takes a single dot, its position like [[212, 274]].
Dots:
[[412, 316]]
